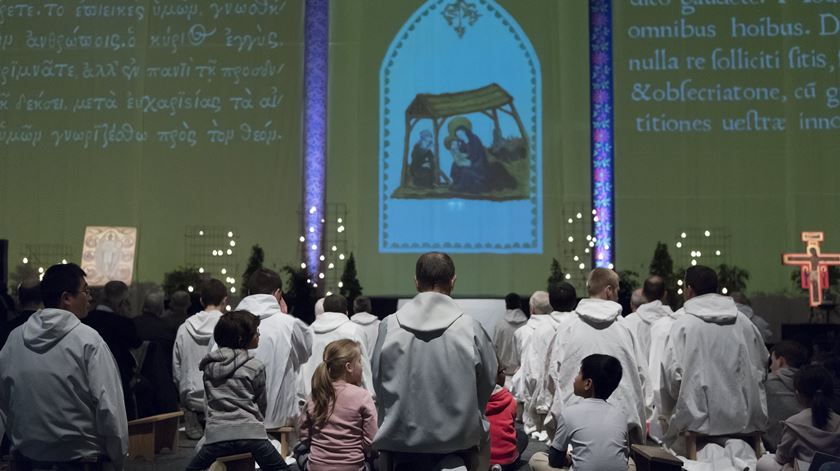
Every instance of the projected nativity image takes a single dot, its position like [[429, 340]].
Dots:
[[467, 168]]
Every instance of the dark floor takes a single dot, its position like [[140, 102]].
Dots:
[[177, 461]]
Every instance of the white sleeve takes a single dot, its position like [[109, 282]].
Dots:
[[301, 347], [106, 389]]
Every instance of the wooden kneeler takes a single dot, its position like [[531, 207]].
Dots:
[[654, 458], [240, 462], [149, 435], [693, 439], [282, 435]]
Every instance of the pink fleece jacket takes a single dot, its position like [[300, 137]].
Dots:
[[340, 445]]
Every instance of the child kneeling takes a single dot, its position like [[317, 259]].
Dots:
[[596, 430], [234, 384]]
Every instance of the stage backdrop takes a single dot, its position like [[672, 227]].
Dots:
[[727, 121], [461, 126], [163, 115]]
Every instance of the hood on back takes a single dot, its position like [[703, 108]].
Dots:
[[816, 439], [653, 311], [785, 376], [223, 363], [260, 305], [47, 327], [745, 310], [499, 400], [712, 308], [200, 326], [364, 318], [429, 312], [329, 321], [598, 311], [515, 316]]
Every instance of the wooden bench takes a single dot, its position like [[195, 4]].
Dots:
[[240, 462], [282, 434], [694, 439], [654, 458], [149, 435]]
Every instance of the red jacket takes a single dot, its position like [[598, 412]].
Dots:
[[501, 412]]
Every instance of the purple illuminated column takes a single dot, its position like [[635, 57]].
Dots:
[[601, 93], [316, 50]]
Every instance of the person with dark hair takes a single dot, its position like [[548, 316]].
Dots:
[[786, 359], [545, 318], [60, 393], [112, 320], [330, 326], [178, 312], [815, 428], [745, 307], [595, 329], [367, 321], [503, 337], [285, 345], [428, 346], [709, 334], [192, 343], [595, 429], [234, 384], [640, 323], [29, 302]]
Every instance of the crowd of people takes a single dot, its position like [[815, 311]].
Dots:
[[425, 388]]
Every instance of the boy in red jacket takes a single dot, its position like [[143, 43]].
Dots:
[[506, 441]]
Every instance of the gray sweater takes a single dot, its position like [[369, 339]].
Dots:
[[781, 404], [234, 384]]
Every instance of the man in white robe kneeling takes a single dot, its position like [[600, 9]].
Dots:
[[714, 366]]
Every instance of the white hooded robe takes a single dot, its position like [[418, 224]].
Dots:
[[285, 345], [596, 330], [192, 344], [713, 370], [505, 341], [370, 328]]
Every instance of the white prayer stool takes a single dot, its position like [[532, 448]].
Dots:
[[694, 439], [282, 435], [149, 435], [240, 462]]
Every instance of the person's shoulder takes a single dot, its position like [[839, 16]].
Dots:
[[87, 333], [254, 365]]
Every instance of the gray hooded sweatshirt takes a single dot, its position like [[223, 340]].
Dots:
[[781, 404], [234, 383], [434, 370], [60, 391]]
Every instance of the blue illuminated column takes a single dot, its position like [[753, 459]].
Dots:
[[601, 96], [316, 51]]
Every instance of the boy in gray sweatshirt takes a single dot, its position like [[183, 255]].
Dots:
[[234, 385]]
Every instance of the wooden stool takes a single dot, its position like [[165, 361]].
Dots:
[[240, 462], [693, 439], [282, 435], [149, 435], [654, 458]]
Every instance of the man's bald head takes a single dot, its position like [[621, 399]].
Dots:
[[654, 288], [539, 303], [602, 283]]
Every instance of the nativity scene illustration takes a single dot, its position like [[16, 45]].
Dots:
[[449, 159]]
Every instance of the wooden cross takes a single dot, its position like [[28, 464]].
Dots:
[[813, 266]]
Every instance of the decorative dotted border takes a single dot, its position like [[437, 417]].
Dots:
[[601, 97], [490, 6]]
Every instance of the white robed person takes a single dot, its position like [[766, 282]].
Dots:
[[548, 311], [504, 336], [285, 345], [61, 397], [434, 371], [641, 321], [714, 366], [595, 329], [742, 302], [333, 324], [368, 322]]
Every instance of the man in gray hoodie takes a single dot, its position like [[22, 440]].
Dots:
[[787, 357], [434, 369], [60, 394]]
